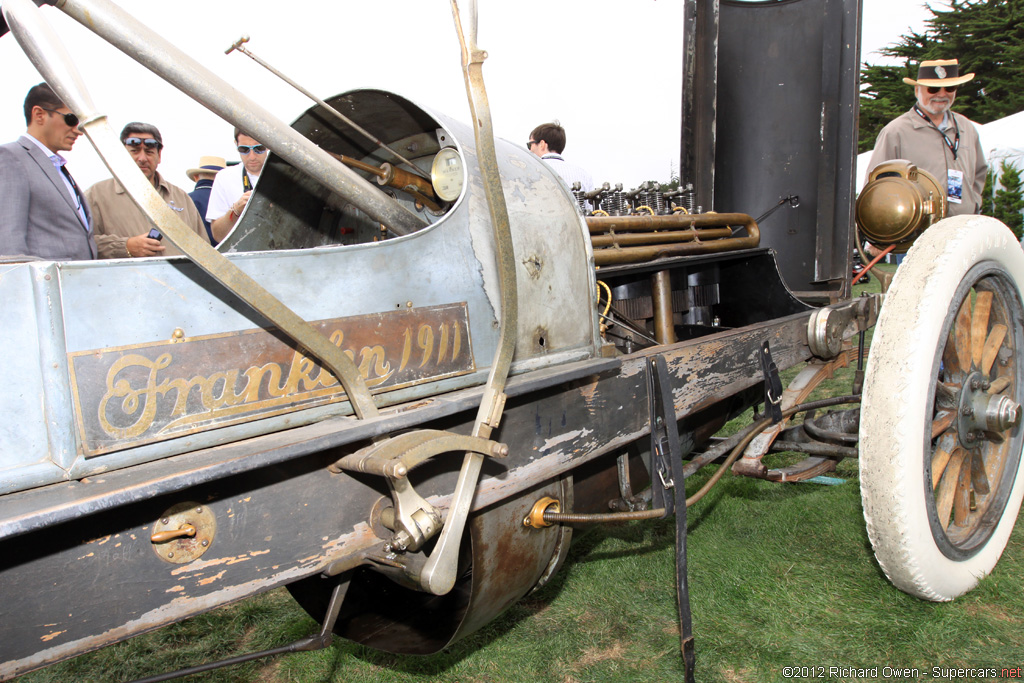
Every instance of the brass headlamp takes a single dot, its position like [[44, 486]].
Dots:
[[898, 203]]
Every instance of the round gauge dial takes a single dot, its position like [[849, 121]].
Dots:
[[447, 174]]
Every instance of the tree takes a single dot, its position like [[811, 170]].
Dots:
[[988, 206], [987, 36], [1009, 202]]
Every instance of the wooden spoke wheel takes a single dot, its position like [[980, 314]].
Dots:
[[940, 426]]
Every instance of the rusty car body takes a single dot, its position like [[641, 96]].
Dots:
[[295, 415]]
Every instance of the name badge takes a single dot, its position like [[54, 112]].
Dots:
[[954, 186]]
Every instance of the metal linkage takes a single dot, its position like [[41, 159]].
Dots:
[[320, 641], [414, 520], [239, 45]]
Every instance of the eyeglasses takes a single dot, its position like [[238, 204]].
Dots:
[[935, 90], [530, 144], [70, 119], [258, 149], [150, 143]]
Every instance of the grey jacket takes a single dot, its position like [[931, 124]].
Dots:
[[910, 137], [38, 216]]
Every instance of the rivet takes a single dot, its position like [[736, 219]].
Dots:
[[169, 555], [165, 520], [205, 543], [178, 333], [199, 511]]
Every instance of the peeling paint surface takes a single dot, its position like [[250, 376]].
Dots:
[[549, 434]]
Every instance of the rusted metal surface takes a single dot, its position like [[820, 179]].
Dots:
[[125, 396], [261, 543]]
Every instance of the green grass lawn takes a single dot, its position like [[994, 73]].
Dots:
[[780, 576]]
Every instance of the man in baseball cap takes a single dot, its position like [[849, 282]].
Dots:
[[936, 139]]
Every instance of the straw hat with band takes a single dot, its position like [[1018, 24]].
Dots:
[[208, 165], [939, 72]]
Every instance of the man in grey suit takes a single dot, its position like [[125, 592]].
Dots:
[[42, 211]]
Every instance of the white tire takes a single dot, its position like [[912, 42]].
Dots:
[[936, 538]]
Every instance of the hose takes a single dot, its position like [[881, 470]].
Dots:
[[748, 433]]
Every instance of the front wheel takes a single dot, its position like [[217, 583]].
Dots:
[[940, 429]]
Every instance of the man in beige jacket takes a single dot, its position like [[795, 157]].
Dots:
[[121, 228], [936, 139]]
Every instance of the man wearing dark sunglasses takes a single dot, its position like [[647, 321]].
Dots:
[[122, 229], [42, 212], [233, 186], [936, 139]]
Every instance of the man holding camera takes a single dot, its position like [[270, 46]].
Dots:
[[233, 186], [122, 229]]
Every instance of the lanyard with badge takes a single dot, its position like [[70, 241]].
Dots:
[[954, 177]]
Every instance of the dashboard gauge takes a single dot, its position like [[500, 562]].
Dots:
[[447, 174]]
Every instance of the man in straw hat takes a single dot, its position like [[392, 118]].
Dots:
[[203, 177], [936, 139]]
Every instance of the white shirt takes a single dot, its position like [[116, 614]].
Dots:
[[227, 188], [571, 173]]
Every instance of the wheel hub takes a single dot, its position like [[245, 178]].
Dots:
[[983, 417]]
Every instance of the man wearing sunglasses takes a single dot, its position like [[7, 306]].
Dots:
[[122, 229], [233, 186], [936, 139], [42, 212]]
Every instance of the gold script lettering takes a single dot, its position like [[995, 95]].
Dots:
[[143, 396], [121, 388]]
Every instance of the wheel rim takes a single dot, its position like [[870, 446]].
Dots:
[[974, 440]]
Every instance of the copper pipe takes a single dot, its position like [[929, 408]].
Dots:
[[661, 298], [603, 257], [397, 178], [632, 240], [600, 224], [400, 178]]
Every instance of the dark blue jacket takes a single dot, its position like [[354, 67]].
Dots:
[[201, 198]]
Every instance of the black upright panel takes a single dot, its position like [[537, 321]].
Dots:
[[785, 100]]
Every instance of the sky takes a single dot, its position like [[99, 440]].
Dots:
[[605, 73]]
